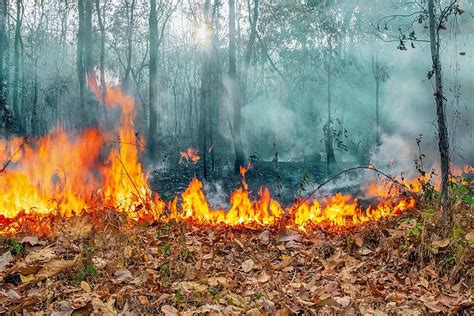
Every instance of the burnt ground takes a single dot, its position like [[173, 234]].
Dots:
[[282, 178]]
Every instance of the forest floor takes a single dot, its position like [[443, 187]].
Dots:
[[399, 266], [105, 265]]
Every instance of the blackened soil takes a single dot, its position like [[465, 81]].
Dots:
[[284, 179]]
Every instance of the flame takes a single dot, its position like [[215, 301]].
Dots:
[[190, 155], [63, 174]]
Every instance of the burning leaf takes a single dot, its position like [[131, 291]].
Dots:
[[248, 265]]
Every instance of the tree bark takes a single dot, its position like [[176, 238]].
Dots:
[[153, 80], [80, 54], [250, 48], [16, 75], [329, 142], [443, 140], [130, 22], [234, 91], [101, 18]]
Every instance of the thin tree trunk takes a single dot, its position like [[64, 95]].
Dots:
[[234, 93], [80, 54], [16, 75], [100, 18], [250, 47], [443, 140], [330, 157], [153, 79], [130, 20]]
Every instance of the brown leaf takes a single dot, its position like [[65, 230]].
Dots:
[[122, 275], [55, 267], [13, 295], [169, 310], [284, 263], [443, 243], [85, 286], [248, 265], [5, 260], [343, 301], [264, 277]]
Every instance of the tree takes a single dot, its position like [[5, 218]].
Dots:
[[234, 91], [435, 25], [380, 73], [436, 19], [153, 80]]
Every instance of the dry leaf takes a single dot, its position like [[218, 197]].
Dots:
[[5, 260], [103, 308], [441, 243], [27, 278], [284, 263], [264, 277], [55, 267], [248, 265], [13, 295], [343, 301], [169, 310], [122, 275], [85, 286], [42, 255], [470, 236]]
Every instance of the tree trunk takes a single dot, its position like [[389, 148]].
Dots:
[[130, 22], [80, 54], [100, 18], [250, 48], [234, 93], [16, 75], [153, 80], [329, 142], [443, 140]]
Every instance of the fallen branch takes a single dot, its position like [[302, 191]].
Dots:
[[351, 169], [13, 155], [130, 178]]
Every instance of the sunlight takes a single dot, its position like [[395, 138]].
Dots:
[[202, 34]]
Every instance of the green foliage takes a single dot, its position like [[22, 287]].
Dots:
[[166, 249], [304, 183], [15, 247], [178, 297], [460, 188]]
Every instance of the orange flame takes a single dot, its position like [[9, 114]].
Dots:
[[190, 155]]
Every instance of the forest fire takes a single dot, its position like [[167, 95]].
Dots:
[[62, 175]]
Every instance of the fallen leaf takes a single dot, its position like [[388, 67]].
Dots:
[[85, 286], [13, 295], [32, 240], [54, 267], [191, 287], [284, 263], [169, 310], [470, 236], [253, 312], [264, 277], [248, 265], [264, 237], [5, 260], [27, 278], [103, 308], [40, 256], [441, 243], [343, 301], [215, 281], [122, 275]]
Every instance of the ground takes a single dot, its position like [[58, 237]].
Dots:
[[87, 267]]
